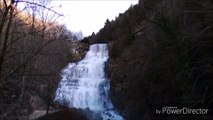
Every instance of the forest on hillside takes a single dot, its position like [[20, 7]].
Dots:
[[33, 50], [160, 55]]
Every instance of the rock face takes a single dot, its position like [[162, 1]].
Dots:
[[158, 57]]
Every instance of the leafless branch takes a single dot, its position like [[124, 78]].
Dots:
[[39, 5]]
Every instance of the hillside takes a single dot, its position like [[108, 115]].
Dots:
[[32, 54], [160, 55]]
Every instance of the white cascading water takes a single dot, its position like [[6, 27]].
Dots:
[[85, 85]]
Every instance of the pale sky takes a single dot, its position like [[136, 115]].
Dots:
[[89, 15]]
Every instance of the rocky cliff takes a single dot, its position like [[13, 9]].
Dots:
[[160, 55]]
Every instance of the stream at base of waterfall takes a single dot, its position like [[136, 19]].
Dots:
[[85, 84]]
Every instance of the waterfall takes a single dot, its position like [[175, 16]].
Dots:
[[85, 84]]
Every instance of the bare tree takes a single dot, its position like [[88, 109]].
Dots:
[[33, 49]]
